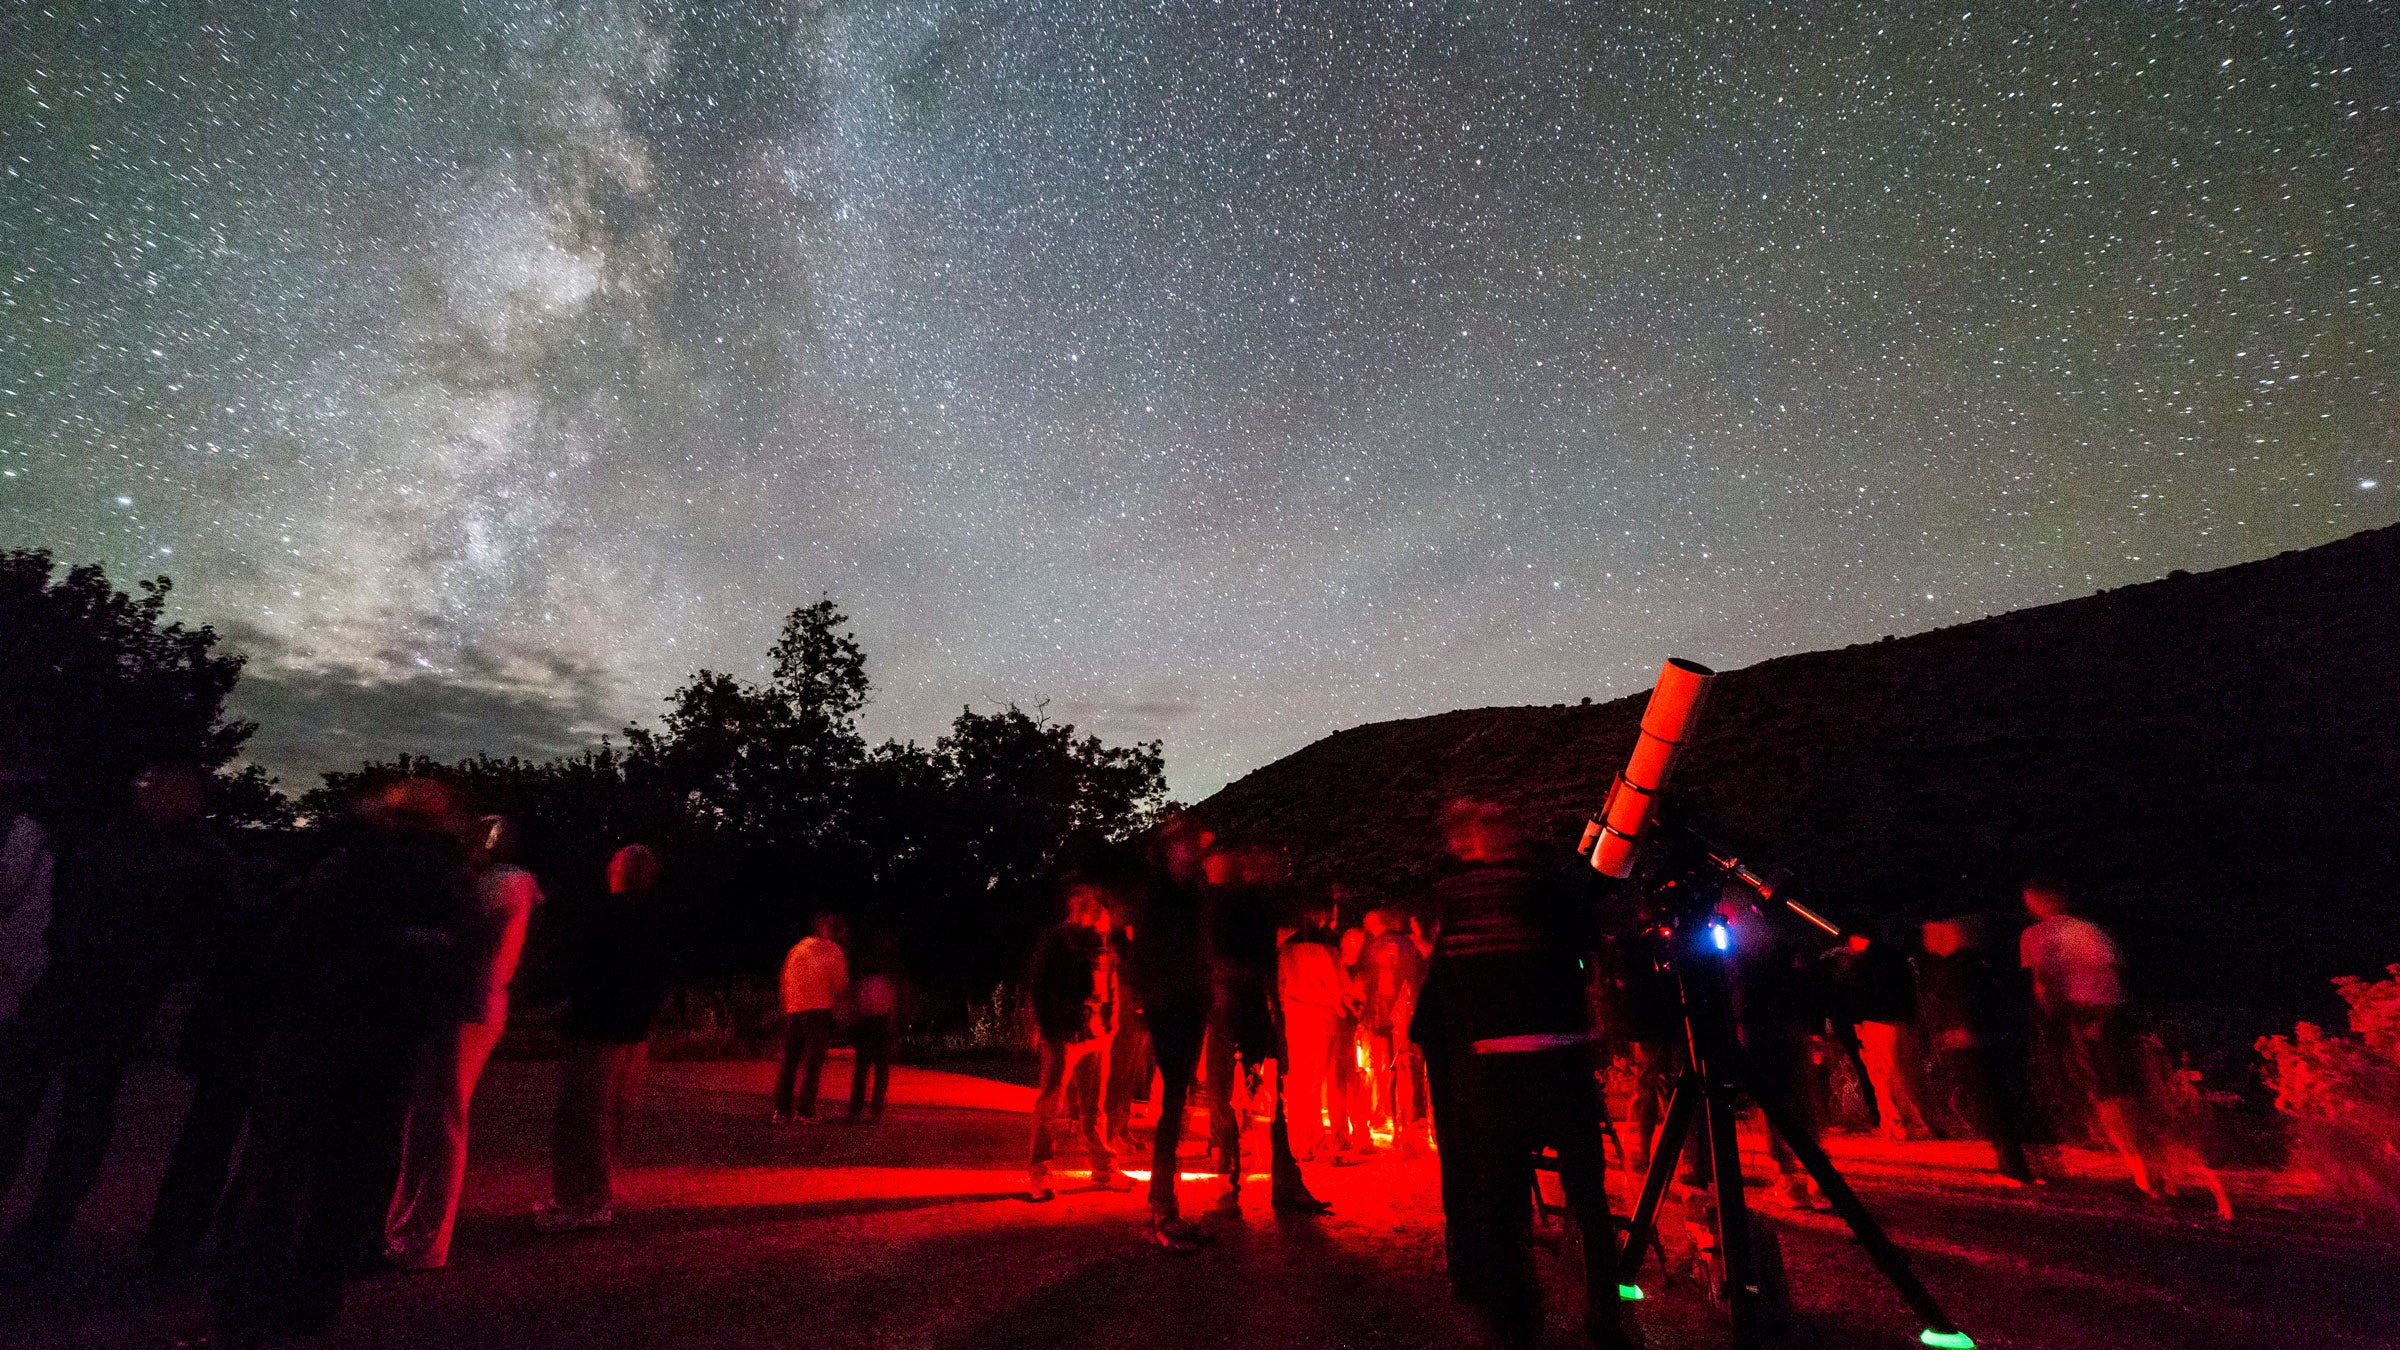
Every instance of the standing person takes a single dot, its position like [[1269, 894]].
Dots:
[[135, 900], [816, 978], [1779, 1004], [26, 870], [1166, 961], [371, 972], [1314, 995], [1964, 1007], [1347, 1097], [616, 988], [1512, 1035], [1245, 1024], [2081, 1002], [1391, 971], [878, 999], [1640, 1015], [433, 1151], [1129, 1058], [233, 1010], [1071, 1010], [1878, 991]]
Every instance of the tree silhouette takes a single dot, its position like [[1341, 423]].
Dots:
[[771, 806], [94, 683]]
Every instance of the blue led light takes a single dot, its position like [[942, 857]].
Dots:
[[1721, 937]]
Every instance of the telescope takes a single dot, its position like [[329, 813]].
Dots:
[[1639, 829], [1612, 838]]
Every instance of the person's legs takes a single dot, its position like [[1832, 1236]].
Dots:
[[1267, 1040], [2104, 1065], [883, 1076], [1382, 1066], [433, 1154], [1088, 1067], [1175, 1037], [1781, 1068], [1488, 1209], [624, 1067], [1870, 1088], [1348, 1095], [87, 1116], [795, 1046], [1993, 1111], [1412, 1109], [1875, 1041], [1048, 1095], [1565, 1093], [357, 1164], [870, 1039], [202, 1161], [1216, 1086], [282, 1161], [819, 1036], [1309, 1032], [1909, 1087], [32, 1045], [579, 1181], [1128, 1073], [1887, 1048]]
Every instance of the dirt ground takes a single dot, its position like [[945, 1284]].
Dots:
[[909, 1234]]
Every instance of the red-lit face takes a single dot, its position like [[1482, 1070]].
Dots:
[[1088, 906], [2045, 904]]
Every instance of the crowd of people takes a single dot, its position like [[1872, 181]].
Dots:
[[340, 1019], [1523, 1010], [1515, 1010]]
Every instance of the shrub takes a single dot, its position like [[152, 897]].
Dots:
[[2342, 1093]]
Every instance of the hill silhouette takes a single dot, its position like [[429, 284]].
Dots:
[[2212, 760]]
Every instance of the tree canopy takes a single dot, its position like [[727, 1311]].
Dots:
[[770, 806], [95, 683]]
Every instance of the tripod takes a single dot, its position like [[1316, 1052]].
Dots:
[[1717, 1071]]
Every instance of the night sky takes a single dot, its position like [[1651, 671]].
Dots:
[[1227, 373]]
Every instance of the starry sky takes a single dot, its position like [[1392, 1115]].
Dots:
[[1226, 373]]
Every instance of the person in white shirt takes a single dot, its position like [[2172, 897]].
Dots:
[[2081, 1002], [433, 1148], [816, 977]]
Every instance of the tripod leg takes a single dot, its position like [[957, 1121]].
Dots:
[[1887, 1256], [1742, 1292], [1666, 1153]]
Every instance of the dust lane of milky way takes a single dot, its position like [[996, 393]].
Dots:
[[1219, 372]]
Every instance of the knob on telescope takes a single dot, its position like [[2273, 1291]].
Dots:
[[1667, 723]]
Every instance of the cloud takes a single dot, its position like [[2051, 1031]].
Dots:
[[1138, 719], [313, 719]]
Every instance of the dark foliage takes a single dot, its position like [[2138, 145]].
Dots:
[[95, 684], [769, 806]]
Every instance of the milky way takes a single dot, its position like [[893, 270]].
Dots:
[[1226, 373]]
